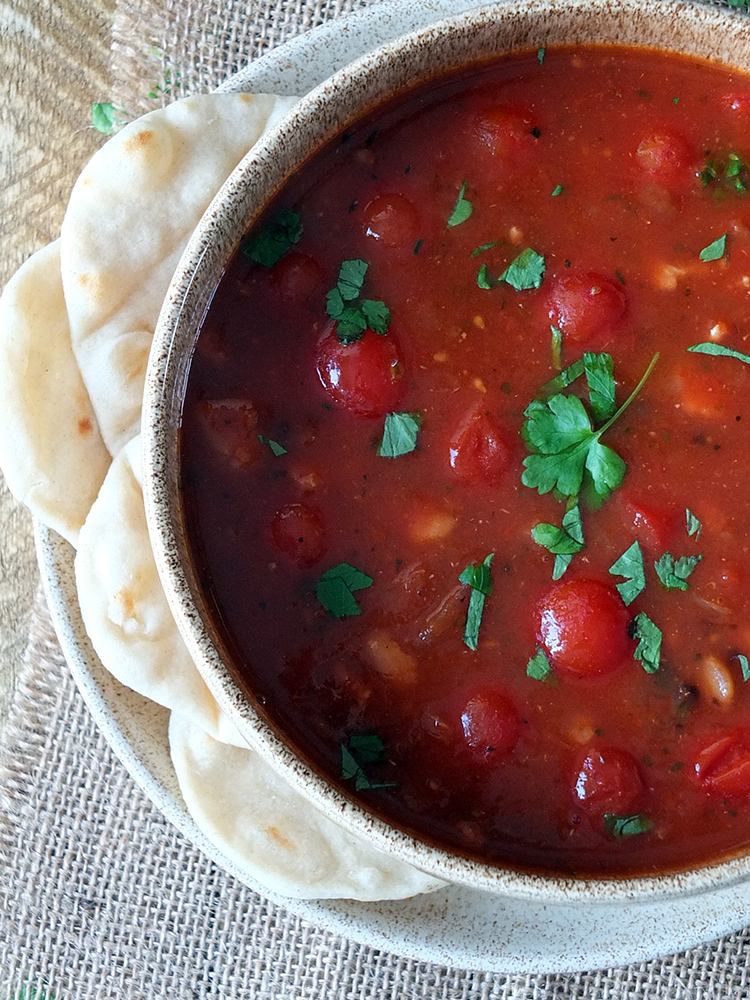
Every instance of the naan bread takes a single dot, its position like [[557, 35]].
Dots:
[[272, 833], [124, 607], [130, 215], [51, 451]]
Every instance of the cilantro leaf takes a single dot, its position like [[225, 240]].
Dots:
[[461, 210], [600, 377], [377, 314], [540, 53], [557, 343], [694, 526], [709, 347], [630, 565], [674, 573], [270, 244], [354, 315], [277, 449], [563, 542], [479, 578], [627, 826], [715, 250], [486, 246], [483, 279], [526, 271], [744, 666], [557, 191], [539, 667], [105, 117], [335, 589], [351, 278], [562, 381], [399, 434], [356, 753], [649, 637]]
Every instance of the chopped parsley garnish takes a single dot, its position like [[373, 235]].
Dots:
[[630, 565], [600, 376], [400, 434], [744, 666], [335, 590], [694, 526], [564, 445], [461, 210], [278, 238], [277, 449], [105, 117], [540, 53], [674, 573], [627, 826], [715, 250], [354, 315], [728, 171], [539, 667], [557, 343], [356, 754], [562, 381], [479, 578], [483, 279], [524, 272], [486, 246], [709, 347], [563, 542], [556, 191], [649, 636]]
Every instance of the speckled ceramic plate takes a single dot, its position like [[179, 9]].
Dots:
[[456, 926]]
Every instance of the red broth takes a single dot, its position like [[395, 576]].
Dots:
[[592, 731]]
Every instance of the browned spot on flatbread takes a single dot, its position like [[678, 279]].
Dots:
[[85, 426], [279, 837], [126, 601], [247, 98], [138, 141]]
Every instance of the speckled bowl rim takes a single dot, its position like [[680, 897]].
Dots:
[[671, 25]]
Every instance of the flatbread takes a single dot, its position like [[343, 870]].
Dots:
[[51, 451], [130, 215], [272, 833], [124, 608]]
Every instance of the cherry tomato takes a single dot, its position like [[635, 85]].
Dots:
[[665, 155], [723, 766], [490, 723], [298, 531], [738, 102], [583, 625], [607, 780], [232, 425], [392, 219], [655, 524], [479, 452], [297, 276], [366, 377], [506, 130], [586, 306]]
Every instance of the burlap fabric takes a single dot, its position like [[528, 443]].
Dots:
[[100, 897]]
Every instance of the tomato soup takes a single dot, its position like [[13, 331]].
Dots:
[[465, 457]]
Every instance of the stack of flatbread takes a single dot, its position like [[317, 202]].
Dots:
[[76, 324]]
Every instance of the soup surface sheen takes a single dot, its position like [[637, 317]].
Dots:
[[501, 613]]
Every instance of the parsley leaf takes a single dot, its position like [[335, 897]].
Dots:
[[564, 445], [715, 250], [626, 826], [526, 271], [694, 526], [105, 117], [486, 246], [709, 347], [277, 449], [479, 578], [539, 667], [649, 637], [566, 377], [563, 542], [674, 573], [483, 279], [399, 434], [556, 345], [461, 210], [630, 565], [335, 590], [540, 53], [362, 314], [270, 244], [556, 191], [600, 377], [356, 754]]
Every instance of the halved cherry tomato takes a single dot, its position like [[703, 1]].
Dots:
[[297, 276], [583, 625], [586, 306], [654, 523], [665, 155], [299, 531], [392, 219], [232, 425], [723, 766], [479, 451], [366, 377], [490, 723], [607, 780], [506, 130]]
